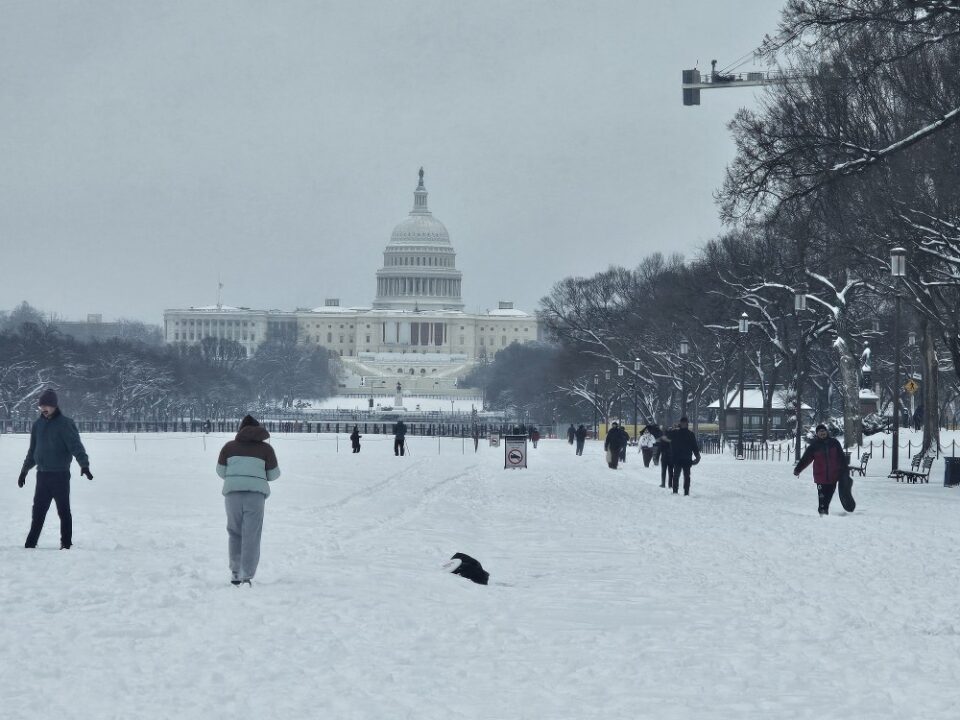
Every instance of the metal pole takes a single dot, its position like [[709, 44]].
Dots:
[[895, 450], [743, 371], [799, 385]]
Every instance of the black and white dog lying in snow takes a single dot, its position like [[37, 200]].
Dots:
[[468, 567]]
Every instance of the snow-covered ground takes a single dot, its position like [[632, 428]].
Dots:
[[610, 598]]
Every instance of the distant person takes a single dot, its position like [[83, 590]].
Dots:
[[54, 442], [399, 438], [656, 432], [829, 463], [571, 434], [581, 438], [662, 454], [646, 443], [247, 465], [615, 441], [684, 452], [918, 418], [534, 436], [355, 439], [476, 437]]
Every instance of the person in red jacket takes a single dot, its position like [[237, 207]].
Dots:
[[829, 464]]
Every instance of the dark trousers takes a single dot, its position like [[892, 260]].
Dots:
[[614, 458], [647, 456], [665, 473], [356, 448], [677, 468], [580, 447], [398, 448], [51, 487], [824, 496]]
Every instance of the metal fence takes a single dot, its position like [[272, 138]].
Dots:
[[784, 451]]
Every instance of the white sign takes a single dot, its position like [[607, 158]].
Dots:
[[515, 451]]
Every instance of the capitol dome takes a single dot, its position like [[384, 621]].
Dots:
[[419, 263], [420, 228]]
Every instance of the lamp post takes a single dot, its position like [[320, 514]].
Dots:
[[799, 305], [898, 268], [620, 392], [606, 389], [684, 349], [911, 345], [596, 402], [636, 373], [744, 327]]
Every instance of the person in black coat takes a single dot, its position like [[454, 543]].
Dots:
[[662, 453], [685, 452], [571, 434], [355, 439], [615, 442], [399, 437], [581, 438]]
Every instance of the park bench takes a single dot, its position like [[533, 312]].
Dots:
[[862, 470], [919, 471]]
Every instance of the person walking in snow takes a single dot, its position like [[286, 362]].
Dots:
[[571, 434], [399, 437], [581, 438], [646, 443], [54, 442], [247, 465], [662, 452], [656, 432], [614, 443], [534, 437], [355, 439], [684, 452], [829, 464]]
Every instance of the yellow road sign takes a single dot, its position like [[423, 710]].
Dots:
[[911, 387]]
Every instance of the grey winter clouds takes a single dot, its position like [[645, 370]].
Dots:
[[149, 148]]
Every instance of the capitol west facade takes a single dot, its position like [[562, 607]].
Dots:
[[415, 329]]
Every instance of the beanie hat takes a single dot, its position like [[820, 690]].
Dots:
[[820, 427], [684, 419], [247, 421], [48, 397]]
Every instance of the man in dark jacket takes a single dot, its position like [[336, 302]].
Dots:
[[54, 441], [581, 438], [399, 438], [829, 463], [571, 434], [684, 453], [615, 441]]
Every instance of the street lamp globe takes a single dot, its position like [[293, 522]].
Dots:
[[800, 298], [898, 262]]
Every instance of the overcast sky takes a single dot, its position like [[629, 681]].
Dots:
[[147, 148]]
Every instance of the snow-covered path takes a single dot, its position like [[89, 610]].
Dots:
[[610, 597]]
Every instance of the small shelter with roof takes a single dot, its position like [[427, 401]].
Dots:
[[753, 411]]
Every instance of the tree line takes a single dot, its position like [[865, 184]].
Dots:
[[831, 173], [128, 380]]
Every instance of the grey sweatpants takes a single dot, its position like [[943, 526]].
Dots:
[[244, 525]]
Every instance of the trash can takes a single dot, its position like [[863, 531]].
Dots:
[[951, 471]]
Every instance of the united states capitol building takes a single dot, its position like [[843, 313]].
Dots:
[[416, 330]]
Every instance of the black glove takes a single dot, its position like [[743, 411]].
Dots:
[[21, 481], [86, 473]]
